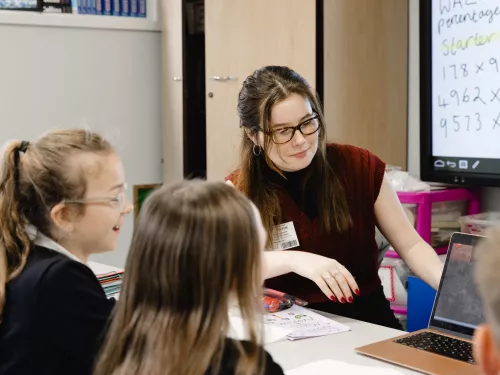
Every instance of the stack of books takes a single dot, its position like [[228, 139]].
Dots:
[[110, 278], [123, 8]]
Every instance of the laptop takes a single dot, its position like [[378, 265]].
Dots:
[[445, 346]]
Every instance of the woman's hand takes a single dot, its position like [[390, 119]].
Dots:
[[332, 277]]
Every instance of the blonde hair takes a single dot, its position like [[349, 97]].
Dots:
[[487, 277], [195, 245], [34, 177]]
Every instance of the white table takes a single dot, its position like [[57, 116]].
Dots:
[[340, 347]]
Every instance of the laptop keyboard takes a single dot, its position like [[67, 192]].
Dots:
[[439, 344]]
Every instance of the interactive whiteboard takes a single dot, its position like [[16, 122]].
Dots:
[[460, 91]]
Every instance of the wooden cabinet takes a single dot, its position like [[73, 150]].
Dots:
[[364, 77], [173, 92], [242, 36]]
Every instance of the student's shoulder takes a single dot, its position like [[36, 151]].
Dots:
[[48, 269], [39, 265], [69, 285], [231, 355], [45, 268]]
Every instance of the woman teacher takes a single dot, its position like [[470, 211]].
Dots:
[[320, 202]]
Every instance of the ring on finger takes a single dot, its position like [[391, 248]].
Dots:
[[327, 276]]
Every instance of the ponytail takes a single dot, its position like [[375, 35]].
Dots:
[[14, 239]]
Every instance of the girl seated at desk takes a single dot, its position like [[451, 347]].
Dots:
[[62, 198], [196, 250]]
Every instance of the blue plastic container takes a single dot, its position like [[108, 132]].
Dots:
[[420, 301]]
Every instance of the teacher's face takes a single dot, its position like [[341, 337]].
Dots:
[[297, 153]]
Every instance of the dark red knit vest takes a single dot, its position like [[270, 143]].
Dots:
[[362, 174]]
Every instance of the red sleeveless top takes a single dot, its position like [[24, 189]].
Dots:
[[361, 173]]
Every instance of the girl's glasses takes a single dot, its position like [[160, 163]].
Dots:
[[119, 200]]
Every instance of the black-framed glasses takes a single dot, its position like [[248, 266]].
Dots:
[[285, 134]]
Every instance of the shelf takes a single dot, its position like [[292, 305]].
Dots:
[[8, 17]]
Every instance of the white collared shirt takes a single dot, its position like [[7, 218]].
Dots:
[[42, 240]]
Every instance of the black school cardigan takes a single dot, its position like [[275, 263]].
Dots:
[[54, 318]]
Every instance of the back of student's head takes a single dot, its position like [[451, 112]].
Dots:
[[487, 336], [197, 245], [34, 177]]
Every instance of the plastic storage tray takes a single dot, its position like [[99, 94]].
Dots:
[[477, 224]]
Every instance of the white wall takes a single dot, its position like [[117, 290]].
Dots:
[[107, 80], [491, 196]]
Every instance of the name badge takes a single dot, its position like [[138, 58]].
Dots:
[[284, 236]]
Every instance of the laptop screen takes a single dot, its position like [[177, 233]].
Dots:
[[457, 306]]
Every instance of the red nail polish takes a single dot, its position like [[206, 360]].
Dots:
[[357, 292], [333, 298], [343, 300], [350, 299]]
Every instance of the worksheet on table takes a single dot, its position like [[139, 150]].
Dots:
[[304, 323]]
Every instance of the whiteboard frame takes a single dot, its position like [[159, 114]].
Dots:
[[427, 171]]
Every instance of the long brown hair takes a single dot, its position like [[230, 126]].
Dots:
[[33, 179], [260, 92], [195, 245]]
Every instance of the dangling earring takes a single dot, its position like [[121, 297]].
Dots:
[[257, 150]]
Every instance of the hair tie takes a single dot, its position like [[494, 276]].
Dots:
[[24, 146]]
